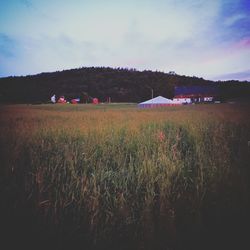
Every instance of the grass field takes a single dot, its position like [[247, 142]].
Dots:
[[118, 177]]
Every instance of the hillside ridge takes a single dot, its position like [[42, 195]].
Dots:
[[120, 84]]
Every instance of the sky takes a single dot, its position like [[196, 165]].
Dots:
[[203, 38]]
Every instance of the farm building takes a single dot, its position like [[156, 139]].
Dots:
[[61, 100], [75, 100], [158, 101], [192, 94], [95, 101]]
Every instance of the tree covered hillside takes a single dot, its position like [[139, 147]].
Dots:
[[122, 85]]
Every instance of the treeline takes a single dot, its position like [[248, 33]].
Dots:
[[120, 84]]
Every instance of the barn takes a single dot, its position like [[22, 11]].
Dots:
[[158, 101], [195, 94]]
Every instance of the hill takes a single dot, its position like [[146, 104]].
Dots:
[[120, 84]]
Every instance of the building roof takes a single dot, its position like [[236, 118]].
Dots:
[[158, 100], [207, 90]]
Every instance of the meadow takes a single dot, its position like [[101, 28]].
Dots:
[[119, 177]]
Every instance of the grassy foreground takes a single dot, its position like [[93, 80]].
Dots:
[[117, 177]]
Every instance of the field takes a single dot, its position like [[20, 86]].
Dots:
[[118, 177]]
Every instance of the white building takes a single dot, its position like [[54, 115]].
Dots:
[[158, 101], [182, 100]]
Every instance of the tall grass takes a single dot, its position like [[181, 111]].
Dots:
[[127, 178]]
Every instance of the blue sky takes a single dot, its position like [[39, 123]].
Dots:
[[209, 39]]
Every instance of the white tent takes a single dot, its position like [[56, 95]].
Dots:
[[53, 98], [158, 101]]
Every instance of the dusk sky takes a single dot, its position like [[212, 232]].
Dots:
[[204, 38]]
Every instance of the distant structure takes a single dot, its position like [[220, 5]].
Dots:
[[157, 102], [195, 94], [95, 101], [53, 99], [108, 99], [62, 100], [75, 100]]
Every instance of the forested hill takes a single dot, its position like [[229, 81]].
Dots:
[[121, 85]]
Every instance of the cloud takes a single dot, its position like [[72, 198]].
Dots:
[[193, 37], [9, 54], [7, 46], [242, 76], [231, 20], [50, 53], [242, 44], [27, 3]]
